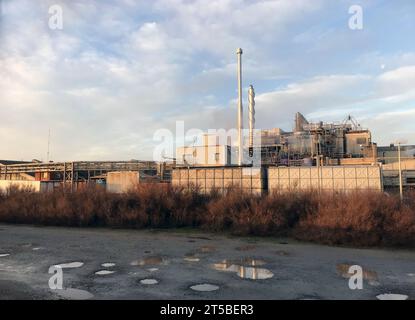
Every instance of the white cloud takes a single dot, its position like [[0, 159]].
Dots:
[[118, 71]]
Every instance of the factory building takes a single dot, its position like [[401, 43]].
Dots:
[[76, 175], [343, 143], [331, 143], [331, 156]]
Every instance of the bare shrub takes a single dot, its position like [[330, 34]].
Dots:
[[356, 218]]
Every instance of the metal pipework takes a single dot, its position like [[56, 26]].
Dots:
[[251, 118], [240, 120]]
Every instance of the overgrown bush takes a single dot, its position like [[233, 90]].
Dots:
[[357, 218]]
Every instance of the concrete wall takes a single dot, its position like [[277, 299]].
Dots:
[[335, 178], [35, 185], [206, 179], [122, 181]]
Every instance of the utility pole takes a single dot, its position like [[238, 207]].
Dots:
[[400, 171]]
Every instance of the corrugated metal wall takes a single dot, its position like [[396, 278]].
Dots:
[[333, 178]]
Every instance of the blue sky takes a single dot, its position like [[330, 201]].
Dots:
[[120, 70]]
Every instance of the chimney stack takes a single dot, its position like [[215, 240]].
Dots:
[[240, 120], [251, 116]]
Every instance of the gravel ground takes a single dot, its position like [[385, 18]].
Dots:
[[165, 264]]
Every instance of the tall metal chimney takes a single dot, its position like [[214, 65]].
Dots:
[[240, 119], [251, 117]]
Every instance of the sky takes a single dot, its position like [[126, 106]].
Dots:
[[119, 71]]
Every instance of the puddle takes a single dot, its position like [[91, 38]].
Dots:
[[392, 296], [225, 266], [191, 259], [245, 268], [155, 260], [410, 274], [149, 281], [74, 294], [246, 248], [70, 265], [343, 270], [104, 272], [243, 262], [37, 248], [206, 287], [254, 273], [4, 255], [153, 269], [108, 265]]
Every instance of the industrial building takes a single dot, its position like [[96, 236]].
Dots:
[[330, 156], [345, 143], [75, 175], [325, 155], [331, 143]]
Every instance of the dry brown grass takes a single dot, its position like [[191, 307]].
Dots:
[[362, 219]]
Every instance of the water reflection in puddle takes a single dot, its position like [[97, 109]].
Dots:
[[74, 294], [104, 272], [152, 269], [191, 259], [254, 273], [108, 265], [4, 255], [70, 265], [343, 270], [392, 296], [206, 287], [245, 268], [155, 260], [149, 281]]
